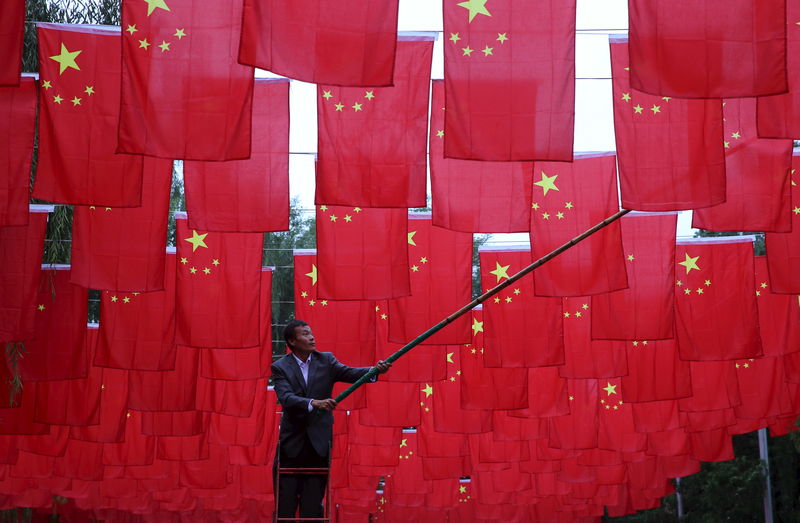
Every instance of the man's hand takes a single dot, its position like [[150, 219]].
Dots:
[[382, 366], [328, 404]]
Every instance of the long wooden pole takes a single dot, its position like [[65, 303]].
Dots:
[[480, 299]]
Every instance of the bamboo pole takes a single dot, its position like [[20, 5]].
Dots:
[[480, 299]]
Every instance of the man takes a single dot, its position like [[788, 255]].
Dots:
[[303, 382]]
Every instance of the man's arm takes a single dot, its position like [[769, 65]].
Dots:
[[342, 372]]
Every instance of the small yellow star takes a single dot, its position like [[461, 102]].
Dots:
[[348, 218], [535, 206], [179, 33], [644, 342], [656, 109], [462, 489], [333, 217], [206, 270], [585, 306], [796, 210], [578, 314], [312, 303], [487, 50], [197, 240], [568, 205], [303, 294], [707, 283], [46, 84], [384, 316], [164, 46], [114, 299], [215, 262], [57, 99], [193, 270], [323, 208], [41, 307], [726, 144], [339, 106], [560, 215], [666, 98], [131, 29], [126, 300], [626, 97], [454, 37], [452, 378], [637, 109], [763, 285], [699, 290], [414, 268], [635, 343], [89, 90], [324, 303], [423, 260], [75, 101], [369, 95], [517, 291], [546, 215], [631, 257], [144, 44], [327, 95], [508, 299], [679, 283], [566, 315], [467, 51], [746, 365], [184, 261], [357, 107], [502, 37], [687, 291], [440, 133], [736, 135], [356, 209], [572, 398], [496, 299]]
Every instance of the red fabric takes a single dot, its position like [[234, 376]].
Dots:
[[12, 15], [218, 288], [567, 199], [779, 115], [687, 175], [485, 388], [757, 177], [362, 254], [388, 168], [715, 306], [58, 349], [708, 49], [19, 419], [578, 429], [137, 449], [643, 311], [183, 93], [79, 104], [475, 196], [443, 403], [20, 267], [18, 110], [655, 372], [616, 429], [123, 249], [711, 445], [173, 423], [656, 416], [584, 357], [510, 86], [114, 397], [778, 315], [247, 363], [229, 397], [137, 329], [521, 330], [168, 389], [547, 394], [249, 431], [714, 387], [247, 195], [320, 43], [441, 282], [391, 404], [783, 249], [762, 388]]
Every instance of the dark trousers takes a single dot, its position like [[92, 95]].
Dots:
[[303, 490]]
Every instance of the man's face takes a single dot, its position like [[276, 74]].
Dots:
[[303, 339]]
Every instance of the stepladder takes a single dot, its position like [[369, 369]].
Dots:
[[301, 473]]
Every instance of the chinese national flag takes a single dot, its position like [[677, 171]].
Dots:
[[442, 403], [547, 394], [372, 141], [715, 306], [656, 416], [587, 358], [247, 195], [183, 93], [762, 388], [426, 364], [219, 275], [616, 428], [12, 25], [521, 330], [714, 387], [688, 174], [18, 112], [578, 429], [783, 249], [339, 44], [655, 372], [248, 363], [392, 404], [708, 49], [645, 309], [362, 253], [20, 268], [172, 390], [174, 423], [229, 397], [58, 348], [123, 249], [510, 88], [778, 315], [779, 115], [712, 445], [113, 400], [475, 196], [486, 388], [756, 174], [79, 100], [137, 330], [567, 199], [441, 282]]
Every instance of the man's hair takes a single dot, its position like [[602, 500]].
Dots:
[[289, 331]]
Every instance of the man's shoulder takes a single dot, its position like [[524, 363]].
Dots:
[[325, 357], [282, 361]]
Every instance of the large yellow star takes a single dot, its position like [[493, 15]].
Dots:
[[477, 326], [500, 271], [428, 390], [66, 59], [610, 389], [690, 263], [197, 240], [152, 5], [411, 238], [475, 7], [547, 183], [313, 274], [450, 357]]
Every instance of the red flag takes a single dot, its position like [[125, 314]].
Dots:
[[388, 168], [114, 397], [547, 394], [655, 372], [762, 388], [442, 403], [229, 397], [578, 429], [218, 287], [174, 423], [362, 254], [392, 404], [521, 330], [123, 249], [715, 307], [167, 389], [645, 309], [783, 249], [247, 195], [569, 198], [779, 115], [441, 282], [510, 85], [12, 29], [687, 175], [231, 430], [714, 387], [20, 268], [18, 110], [475, 196], [137, 448], [778, 315], [756, 174], [79, 100], [183, 93], [321, 43], [708, 49], [712, 445], [58, 349], [584, 357]]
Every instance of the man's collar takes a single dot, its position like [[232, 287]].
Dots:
[[301, 362]]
